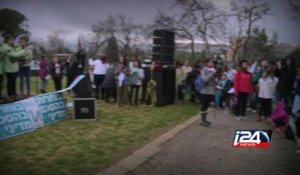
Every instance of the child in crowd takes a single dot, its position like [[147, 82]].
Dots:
[[267, 86], [279, 116], [109, 84], [243, 87], [137, 75], [122, 72], [220, 88], [56, 73], [43, 73]]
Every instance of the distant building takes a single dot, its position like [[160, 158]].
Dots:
[[282, 49]]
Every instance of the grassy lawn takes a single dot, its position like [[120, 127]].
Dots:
[[74, 147]]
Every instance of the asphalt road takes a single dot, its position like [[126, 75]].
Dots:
[[198, 150]]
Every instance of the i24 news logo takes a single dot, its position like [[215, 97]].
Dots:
[[252, 138]]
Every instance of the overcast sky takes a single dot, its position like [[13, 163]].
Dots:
[[76, 16]]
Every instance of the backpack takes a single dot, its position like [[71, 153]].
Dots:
[[199, 83]]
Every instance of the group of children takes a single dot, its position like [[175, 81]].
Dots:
[[261, 85]]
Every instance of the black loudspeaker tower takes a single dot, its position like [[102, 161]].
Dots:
[[163, 47], [165, 85], [83, 89]]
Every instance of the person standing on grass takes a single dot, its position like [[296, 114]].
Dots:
[[43, 74], [25, 72], [73, 71], [208, 90], [243, 87], [11, 64], [109, 85], [99, 70], [80, 58], [219, 91], [2, 53], [137, 75], [266, 92], [57, 73], [122, 72]]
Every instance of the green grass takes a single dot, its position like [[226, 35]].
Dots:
[[74, 147], [35, 85]]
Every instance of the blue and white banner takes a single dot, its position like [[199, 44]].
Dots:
[[29, 114]]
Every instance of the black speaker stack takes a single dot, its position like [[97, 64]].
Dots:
[[163, 47], [163, 54]]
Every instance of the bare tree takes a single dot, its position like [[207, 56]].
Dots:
[[206, 19], [125, 30], [56, 43], [295, 8], [39, 48], [101, 32], [179, 24], [128, 35], [246, 14]]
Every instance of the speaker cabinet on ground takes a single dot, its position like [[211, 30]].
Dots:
[[165, 85], [84, 109], [163, 47]]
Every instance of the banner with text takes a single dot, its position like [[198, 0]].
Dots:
[[26, 115]]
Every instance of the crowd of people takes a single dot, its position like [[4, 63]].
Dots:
[[257, 86], [120, 82], [263, 88]]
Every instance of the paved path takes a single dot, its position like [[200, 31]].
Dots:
[[198, 150]]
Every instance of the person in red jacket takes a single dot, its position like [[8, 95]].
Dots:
[[242, 86]]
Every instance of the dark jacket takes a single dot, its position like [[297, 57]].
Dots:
[[72, 72], [53, 73], [297, 86], [109, 80], [286, 80]]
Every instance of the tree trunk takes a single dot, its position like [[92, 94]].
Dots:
[[192, 47]]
